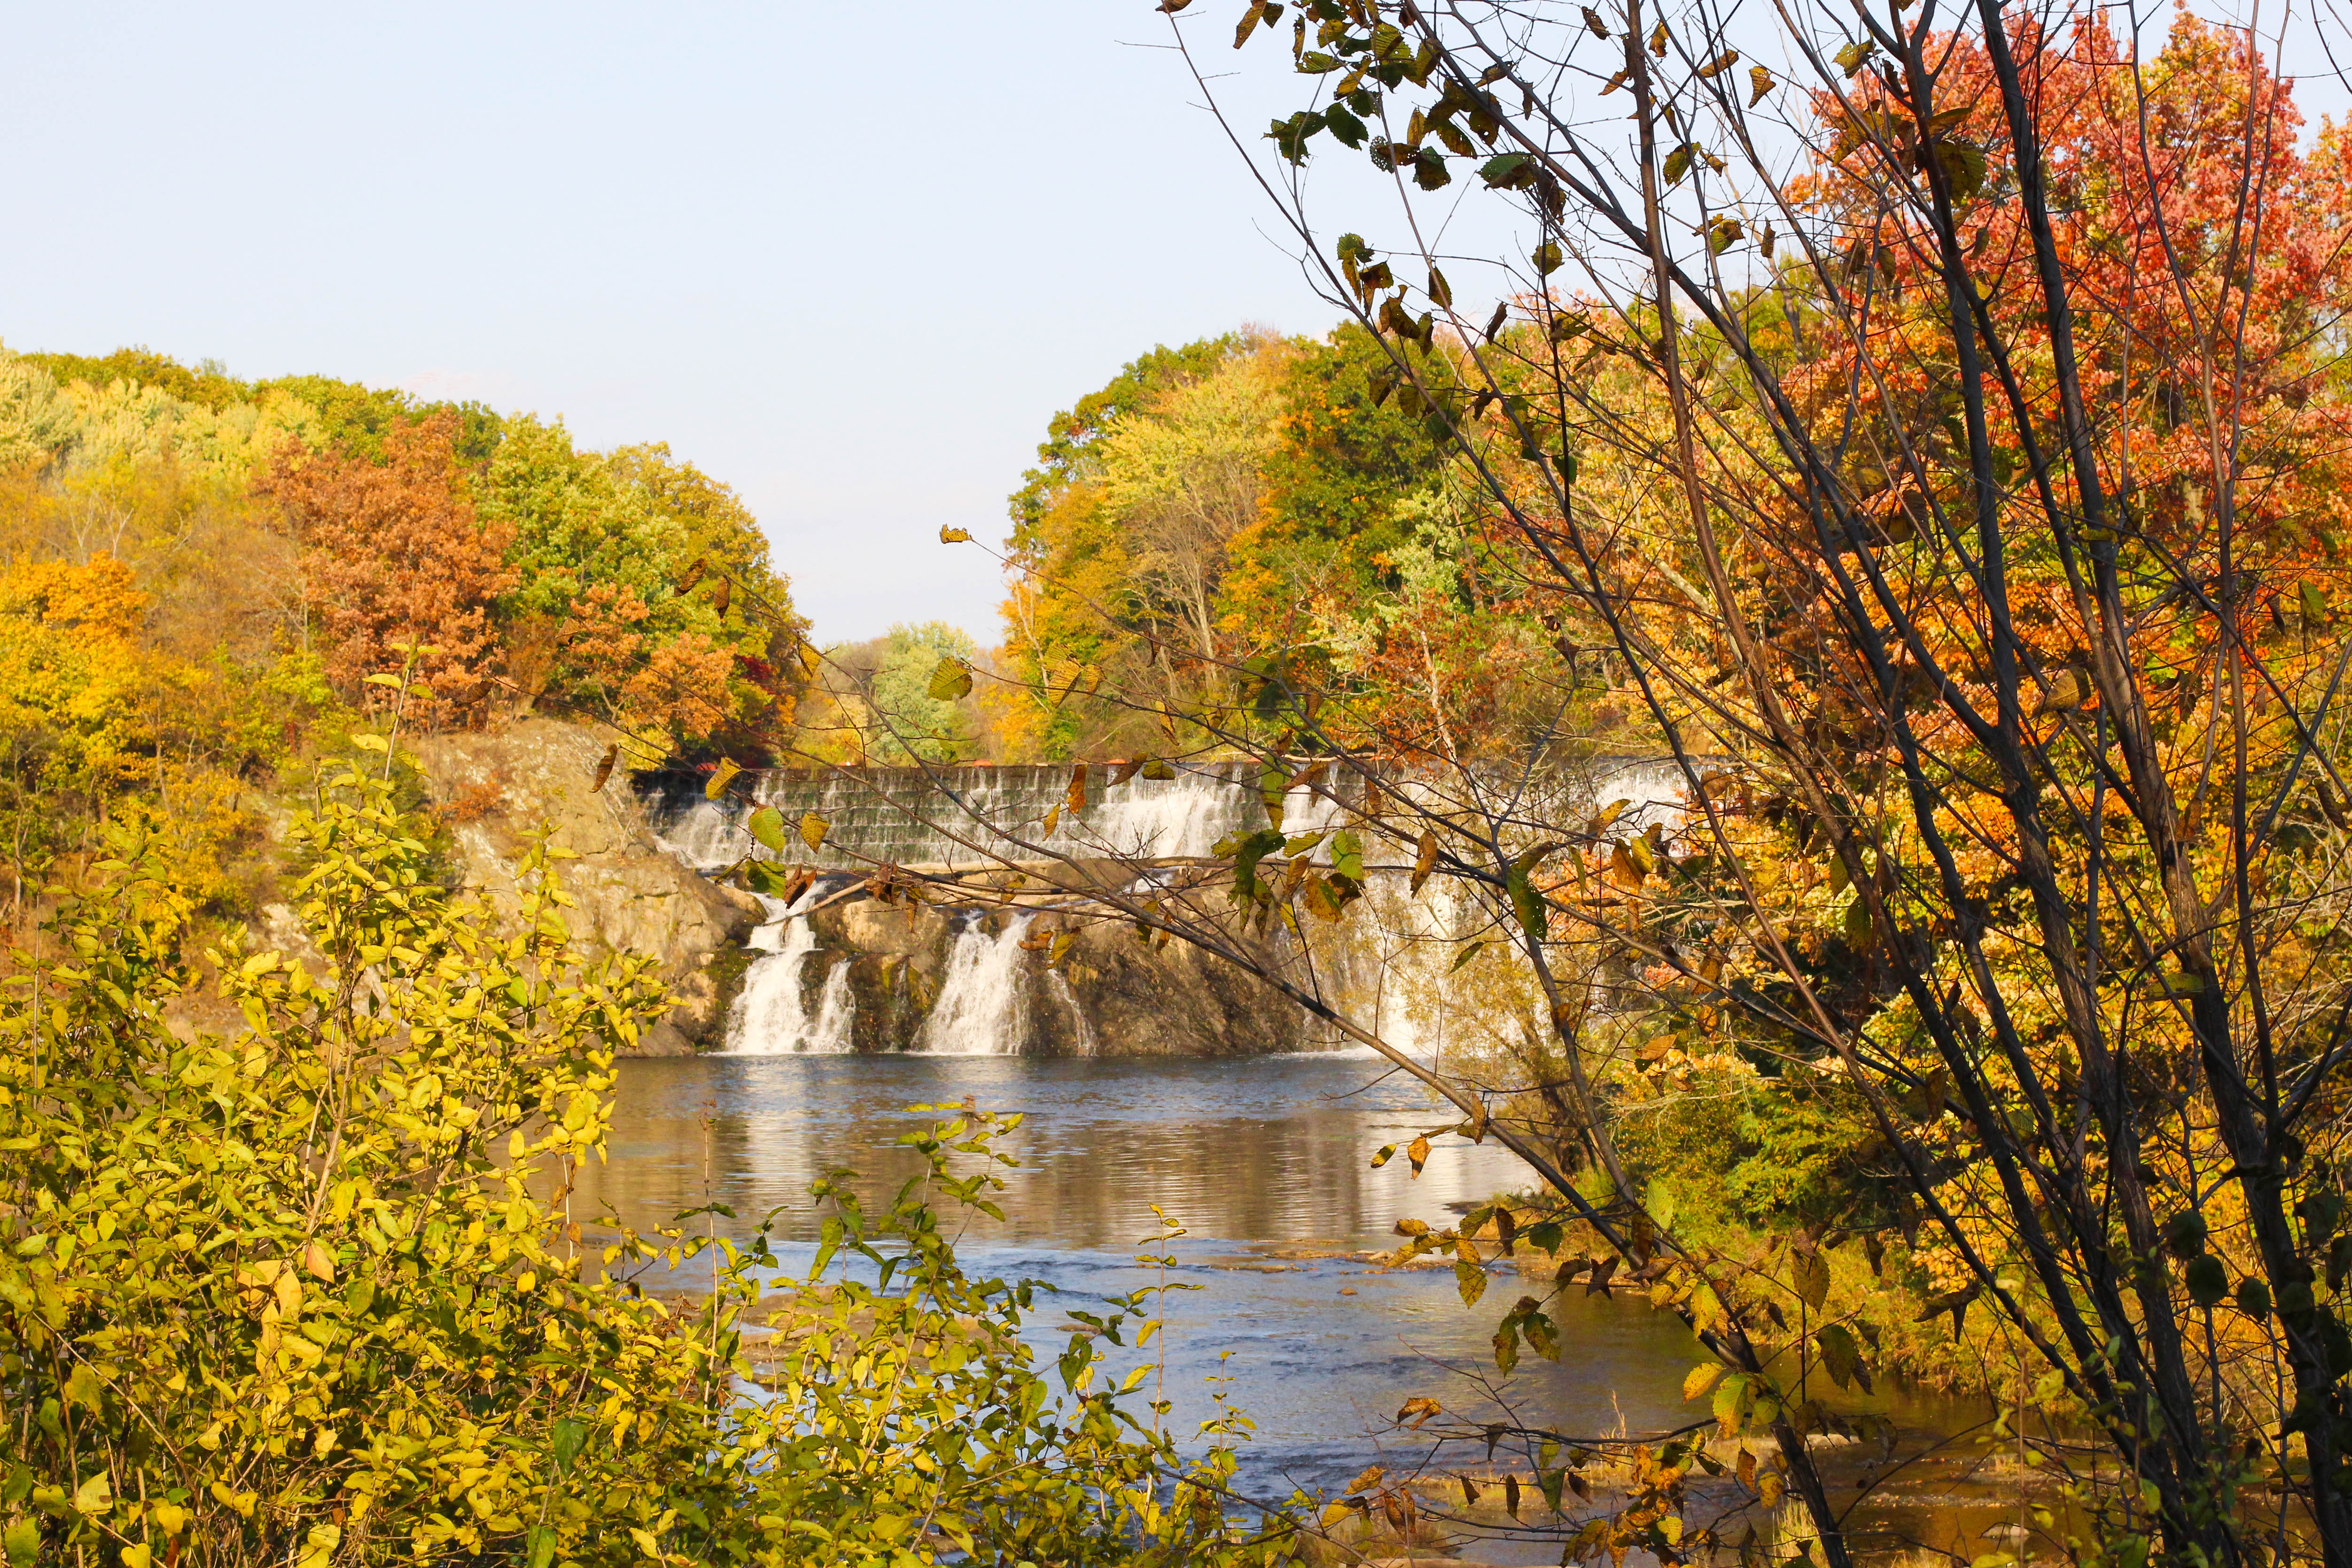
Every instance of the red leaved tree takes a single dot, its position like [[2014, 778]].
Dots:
[[395, 557]]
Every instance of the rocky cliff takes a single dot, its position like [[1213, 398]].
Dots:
[[496, 789]]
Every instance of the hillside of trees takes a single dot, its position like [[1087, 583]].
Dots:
[[208, 581], [1960, 499]]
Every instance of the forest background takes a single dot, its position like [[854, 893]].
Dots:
[[1351, 543]]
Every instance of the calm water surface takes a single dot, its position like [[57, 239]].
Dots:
[[1260, 1159]]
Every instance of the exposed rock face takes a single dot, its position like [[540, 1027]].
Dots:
[[922, 977], [497, 789]]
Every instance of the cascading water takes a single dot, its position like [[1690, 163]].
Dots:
[[771, 1017], [977, 991], [981, 1011], [960, 815]]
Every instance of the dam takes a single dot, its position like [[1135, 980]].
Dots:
[[835, 972]]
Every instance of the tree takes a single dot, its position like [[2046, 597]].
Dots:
[[1960, 509], [400, 567], [1876, 519], [312, 1292], [913, 723]]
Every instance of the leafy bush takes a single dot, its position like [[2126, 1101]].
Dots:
[[313, 1294]]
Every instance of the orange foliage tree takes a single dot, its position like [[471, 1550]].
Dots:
[[1964, 515], [396, 559]]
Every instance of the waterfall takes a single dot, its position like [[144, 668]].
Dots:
[[981, 1012], [960, 815], [705, 837], [770, 1018], [1390, 963]]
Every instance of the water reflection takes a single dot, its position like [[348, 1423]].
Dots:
[[1270, 1149], [1266, 1162]]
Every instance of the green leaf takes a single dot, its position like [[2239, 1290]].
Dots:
[[22, 1540], [1429, 171], [767, 825], [767, 876], [1346, 129], [570, 1436], [1547, 258], [2206, 1279], [1506, 171], [1963, 163], [1678, 163], [1317, 63], [1347, 855], [1534, 918], [1840, 1356], [1809, 1272], [1468, 952], [1252, 850], [1731, 1399]]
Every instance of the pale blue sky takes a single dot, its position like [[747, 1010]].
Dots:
[[846, 257]]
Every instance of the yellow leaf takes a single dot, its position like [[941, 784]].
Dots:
[[318, 1260], [951, 679], [955, 536], [725, 773], [1418, 1153], [813, 829], [1701, 1380]]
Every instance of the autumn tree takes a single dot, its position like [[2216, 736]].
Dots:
[[399, 566], [1939, 457]]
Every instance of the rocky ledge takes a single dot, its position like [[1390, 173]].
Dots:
[[496, 789]]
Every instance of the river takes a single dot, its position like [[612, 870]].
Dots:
[[1266, 1163]]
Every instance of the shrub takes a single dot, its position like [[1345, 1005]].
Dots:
[[313, 1294]]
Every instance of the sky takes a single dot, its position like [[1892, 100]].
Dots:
[[847, 258]]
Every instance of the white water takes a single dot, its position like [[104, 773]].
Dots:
[[1390, 966], [901, 815], [770, 1018], [979, 1011]]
